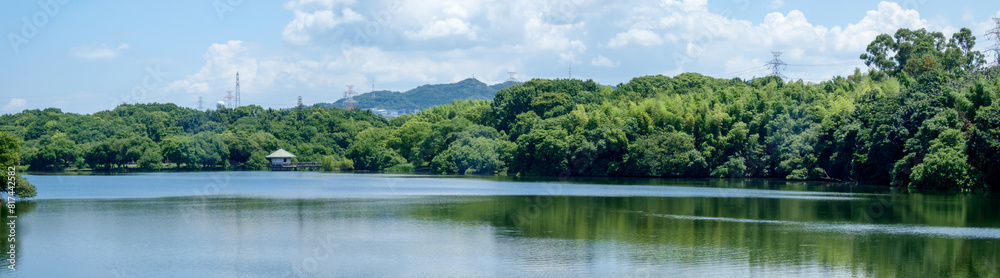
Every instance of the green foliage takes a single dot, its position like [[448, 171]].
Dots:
[[917, 52], [370, 151], [541, 152], [333, 163], [9, 157], [151, 159], [736, 168], [668, 154], [177, 149], [9, 146], [472, 155], [148, 134], [56, 152], [945, 165], [538, 96], [257, 161], [983, 146]]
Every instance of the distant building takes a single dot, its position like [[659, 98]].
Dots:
[[280, 157], [392, 113]]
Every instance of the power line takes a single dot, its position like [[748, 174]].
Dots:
[[742, 72], [827, 65]]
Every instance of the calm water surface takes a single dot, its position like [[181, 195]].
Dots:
[[269, 224]]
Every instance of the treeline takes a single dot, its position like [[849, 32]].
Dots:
[[926, 116], [145, 136]]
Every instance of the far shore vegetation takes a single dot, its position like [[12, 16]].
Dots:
[[926, 115]]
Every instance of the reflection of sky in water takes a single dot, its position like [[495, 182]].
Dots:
[[320, 185], [262, 224]]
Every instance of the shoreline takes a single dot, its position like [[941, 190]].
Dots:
[[612, 180]]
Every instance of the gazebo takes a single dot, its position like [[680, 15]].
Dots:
[[280, 157]]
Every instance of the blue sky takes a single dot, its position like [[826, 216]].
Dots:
[[87, 56]]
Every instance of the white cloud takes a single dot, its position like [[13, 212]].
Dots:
[[16, 105], [568, 57], [314, 4], [602, 61], [449, 40], [101, 51], [444, 28], [776, 4], [697, 39], [301, 29], [888, 18], [640, 37], [457, 10], [222, 61], [539, 35]]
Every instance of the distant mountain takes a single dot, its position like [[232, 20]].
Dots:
[[427, 95]]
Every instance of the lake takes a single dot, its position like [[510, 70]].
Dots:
[[308, 224]]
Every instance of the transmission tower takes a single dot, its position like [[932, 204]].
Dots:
[[300, 101], [776, 65], [237, 89], [229, 99], [201, 103], [994, 34], [349, 97], [513, 76], [570, 71]]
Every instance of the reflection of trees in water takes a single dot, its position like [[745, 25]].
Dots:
[[758, 232], [22, 207], [747, 233]]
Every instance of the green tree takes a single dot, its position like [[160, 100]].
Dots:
[[945, 165], [407, 138], [9, 146], [209, 149], [472, 155], [369, 151], [920, 51], [178, 149], [541, 152], [151, 159], [983, 146], [257, 161], [668, 154]]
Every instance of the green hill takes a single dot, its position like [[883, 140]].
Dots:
[[427, 95]]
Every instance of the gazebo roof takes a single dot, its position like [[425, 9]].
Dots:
[[280, 153]]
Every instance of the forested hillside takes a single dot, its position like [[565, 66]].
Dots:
[[927, 115], [427, 95]]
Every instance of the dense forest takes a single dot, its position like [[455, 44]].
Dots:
[[925, 115]]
